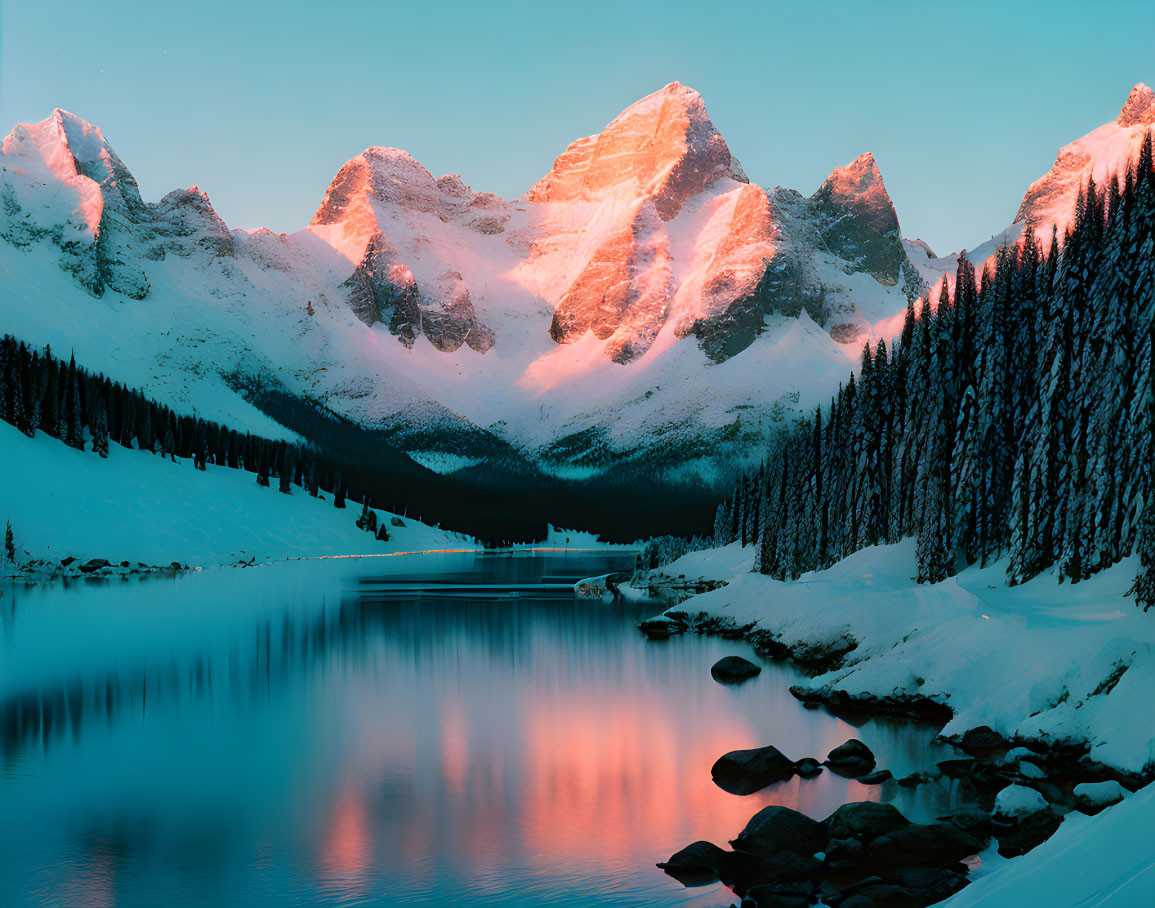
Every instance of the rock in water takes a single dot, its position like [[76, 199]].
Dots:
[[744, 772], [851, 759], [661, 627], [93, 564], [734, 670], [697, 863], [808, 767], [775, 828], [864, 820]]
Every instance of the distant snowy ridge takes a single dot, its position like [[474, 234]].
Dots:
[[142, 507]]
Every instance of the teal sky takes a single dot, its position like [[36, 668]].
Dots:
[[963, 104]]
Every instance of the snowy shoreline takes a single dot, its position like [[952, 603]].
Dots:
[[1066, 669]]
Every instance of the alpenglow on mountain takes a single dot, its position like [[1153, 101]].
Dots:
[[643, 303]]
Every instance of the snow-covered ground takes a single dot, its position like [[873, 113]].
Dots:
[[137, 506], [1042, 661]]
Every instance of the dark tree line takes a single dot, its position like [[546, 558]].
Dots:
[[1013, 418], [85, 410]]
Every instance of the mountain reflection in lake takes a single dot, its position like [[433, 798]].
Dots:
[[454, 728]]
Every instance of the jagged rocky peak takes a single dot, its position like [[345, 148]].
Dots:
[[69, 147], [663, 148], [391, 179], [630, 183], [1140, 107], [189, 219], [96, 221], [863, 226]]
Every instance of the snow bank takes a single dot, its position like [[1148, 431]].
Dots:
[[1019, 801], [1090, 861], [1042, 661], [141, 507], [1052, 662]]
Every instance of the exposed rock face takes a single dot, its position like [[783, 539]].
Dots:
[[663, 148], [188, 219], [1102, 153], [863, 227], [628, 186], [1139, 110]]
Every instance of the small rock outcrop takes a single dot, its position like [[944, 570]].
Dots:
[[851, 760], [744, 772], [93, 564], [734, 670]]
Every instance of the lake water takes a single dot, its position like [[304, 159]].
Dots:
[[454, 729]]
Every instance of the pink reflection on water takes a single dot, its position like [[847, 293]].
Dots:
[[347, 848]]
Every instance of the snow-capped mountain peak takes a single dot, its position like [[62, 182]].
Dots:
[[662, 148], [1099, 155]]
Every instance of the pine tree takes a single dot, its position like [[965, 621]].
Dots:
[[9, 544], [338, 492], [286, 469], [100, 430]]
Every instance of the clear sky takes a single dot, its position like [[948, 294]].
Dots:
[[963, 104]]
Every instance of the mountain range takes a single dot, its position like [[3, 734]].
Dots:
[[643, 313]]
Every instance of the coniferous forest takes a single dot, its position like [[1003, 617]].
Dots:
[[1012, 418]]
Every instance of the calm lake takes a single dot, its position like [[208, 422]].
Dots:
[[446, 728]]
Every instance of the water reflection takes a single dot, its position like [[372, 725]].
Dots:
[[320, 733]]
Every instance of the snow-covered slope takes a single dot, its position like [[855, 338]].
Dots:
[[137, 506], [642, 300], [1051, 200], [1101, 154]]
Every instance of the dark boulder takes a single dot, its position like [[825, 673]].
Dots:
[[64, 562], [697, 864], [808, 767], [780, 869], [864, 820], [780, 895], [842, 854], [734, 670], [876, 778], [851, 759], [773, 829], [1021, 830], [927, 884], [974, 820], [904, 888], [744, 772], [918, 845], [982, 742], [93, 564], [397, 522]]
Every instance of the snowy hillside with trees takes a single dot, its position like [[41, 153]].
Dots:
[[1014, 418], [150, 509]]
